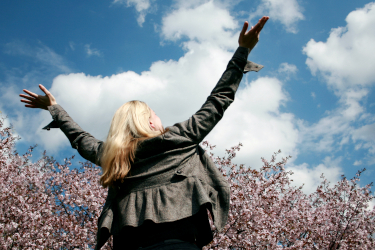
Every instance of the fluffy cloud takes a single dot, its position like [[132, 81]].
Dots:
[[310, 177], [366, 133], [204, 27], [255, 120], [346, 62], [371, 205], [226, 4], [346, 59], [287, 70], [357, 163], [5, 121], [141, 6], [288, 12], [333, 130]]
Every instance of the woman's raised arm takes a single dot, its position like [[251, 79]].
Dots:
[[197, 127], [87, 145]]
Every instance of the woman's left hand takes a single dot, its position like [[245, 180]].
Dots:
[[38, 101], [249, 39]]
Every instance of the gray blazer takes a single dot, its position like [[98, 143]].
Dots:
[[171, 176]]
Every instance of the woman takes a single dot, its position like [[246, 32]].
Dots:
[[160, 182]]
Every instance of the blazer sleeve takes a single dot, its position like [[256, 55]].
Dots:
[[205, 119], [87, 145]]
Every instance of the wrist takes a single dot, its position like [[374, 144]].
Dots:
[[248, 49]]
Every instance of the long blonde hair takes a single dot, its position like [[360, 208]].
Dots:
[[129, 127]]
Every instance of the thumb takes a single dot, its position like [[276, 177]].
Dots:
[[44, 89]]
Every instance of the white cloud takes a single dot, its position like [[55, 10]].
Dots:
[[141, 6], [8, 94], [3, 118], [358, 146], [310, 177], [346, 59], [313, 95], [287, 70], [200, 23], [346, 62], [371, 206], [366, 133], [334, 130], [6, 121], [287, 12], [92, 51], [324, 135], [357, 163], [224, 4], [255, 120]]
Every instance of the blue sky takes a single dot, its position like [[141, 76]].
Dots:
[[314, 99]]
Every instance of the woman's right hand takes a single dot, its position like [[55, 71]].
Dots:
[[38, 101], [250, 39]]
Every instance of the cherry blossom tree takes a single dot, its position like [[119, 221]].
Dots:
[[48, 205], [268, 212]]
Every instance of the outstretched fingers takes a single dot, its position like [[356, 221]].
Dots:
[[31, 98], [30, 93], [38, 101], [30, 104], [257, 28], [27, 97], [261, 23]]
